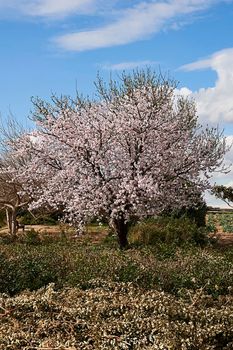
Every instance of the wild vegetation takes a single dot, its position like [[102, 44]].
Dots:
[[115, 316], [136, 159], [157, 296]]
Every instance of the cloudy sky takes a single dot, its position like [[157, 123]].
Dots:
[[58, 46]]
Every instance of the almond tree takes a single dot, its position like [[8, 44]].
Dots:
[[133, 152]]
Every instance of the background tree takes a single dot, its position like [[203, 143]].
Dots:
[[224, 193], [11, 198], [135, 151]]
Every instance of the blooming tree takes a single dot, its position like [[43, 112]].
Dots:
[[133, 152]]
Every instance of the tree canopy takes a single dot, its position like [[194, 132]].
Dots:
[[133, 152]]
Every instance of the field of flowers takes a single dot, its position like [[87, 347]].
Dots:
[[220, 221]]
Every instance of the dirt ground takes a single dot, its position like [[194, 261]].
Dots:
[[96, 234], [38, 228], [93, 233], [224, 239]]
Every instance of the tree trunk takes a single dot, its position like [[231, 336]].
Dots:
[[8, 219], [121, 229], [14, 224], [11, 221]]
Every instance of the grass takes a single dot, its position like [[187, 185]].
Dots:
[[65, 263]]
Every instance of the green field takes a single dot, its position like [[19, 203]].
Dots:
[[225, 220]]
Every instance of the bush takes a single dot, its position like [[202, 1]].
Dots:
[[169, 230], [115, 316], [196, 214], [22, 268], [31, 237], [164, 267]]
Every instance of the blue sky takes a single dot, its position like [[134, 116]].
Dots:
[[54, 46]]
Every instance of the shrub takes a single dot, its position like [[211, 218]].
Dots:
[[31, 237], [115, 316], [167, 230], [196, 214], [22, 268], [164, 267]]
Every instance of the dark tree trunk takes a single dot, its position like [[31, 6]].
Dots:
[[14, 224], [121, 229], [11, 221], [8, 219]]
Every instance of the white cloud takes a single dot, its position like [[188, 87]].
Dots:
[[126, 25], [128, 65], [46, 8], [133, 24], [49, 8], [184, 91], [221, 178], [215, 104]]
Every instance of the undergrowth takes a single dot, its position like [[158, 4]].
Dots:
[[165, 267]]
